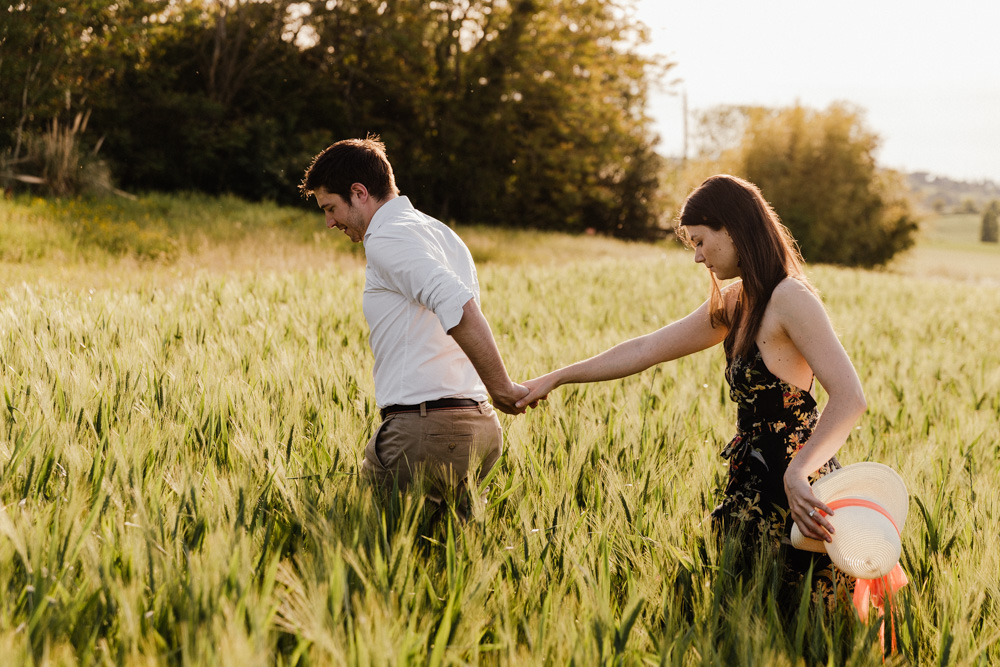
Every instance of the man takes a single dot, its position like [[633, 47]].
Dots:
[[436, 361]]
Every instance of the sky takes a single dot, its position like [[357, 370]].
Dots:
[[927, 74]]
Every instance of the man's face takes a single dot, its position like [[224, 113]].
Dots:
[[342, 214]]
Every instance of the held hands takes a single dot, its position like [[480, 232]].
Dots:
[[808, 511], [515, 399], [505, 401], [539, 389]]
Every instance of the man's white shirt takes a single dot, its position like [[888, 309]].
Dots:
[[419, 277]]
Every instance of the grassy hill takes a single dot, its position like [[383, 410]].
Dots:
[[949, 247]]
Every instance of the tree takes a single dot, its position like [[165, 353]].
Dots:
[[990, 230], [216, 104], [584, 155], [521, 112], [515, 112], [56, 58], [818, 170]]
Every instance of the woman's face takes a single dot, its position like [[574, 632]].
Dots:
[[714, 249]]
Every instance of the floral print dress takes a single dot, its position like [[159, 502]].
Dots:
[[774, 420]]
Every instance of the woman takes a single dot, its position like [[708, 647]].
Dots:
[[777, 338]]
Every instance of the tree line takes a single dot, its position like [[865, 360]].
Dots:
[[528, 113], [517, 112]]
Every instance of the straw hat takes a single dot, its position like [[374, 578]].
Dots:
[[866, 543]]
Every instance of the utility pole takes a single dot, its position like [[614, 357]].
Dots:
[[684, 106]]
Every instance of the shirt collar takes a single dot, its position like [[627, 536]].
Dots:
[[386, 211]]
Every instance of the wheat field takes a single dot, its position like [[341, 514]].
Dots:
[[182, 429]]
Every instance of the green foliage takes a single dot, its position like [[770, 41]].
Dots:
[[215, 104], [990, 230], [57, 57], [178, 469], [28, 233], [64, 167], [818, 170], [524, 113], [152, 227]]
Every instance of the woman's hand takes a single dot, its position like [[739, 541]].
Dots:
[[808, 511], [538, 389]]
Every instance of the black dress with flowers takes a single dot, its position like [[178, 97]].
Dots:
[[774, 419]]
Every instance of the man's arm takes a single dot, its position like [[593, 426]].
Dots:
[[474, 336]]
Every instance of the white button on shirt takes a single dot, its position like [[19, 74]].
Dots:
[[419, 277]]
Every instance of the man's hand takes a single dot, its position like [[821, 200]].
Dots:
[[505, 400]]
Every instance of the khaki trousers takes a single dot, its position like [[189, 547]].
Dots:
[[443, 446]]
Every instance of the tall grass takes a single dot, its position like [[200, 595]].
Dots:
[[179, 457]]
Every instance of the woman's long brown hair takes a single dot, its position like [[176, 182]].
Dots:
[[765, 249]]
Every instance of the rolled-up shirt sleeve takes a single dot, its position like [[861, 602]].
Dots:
[[421, 277]]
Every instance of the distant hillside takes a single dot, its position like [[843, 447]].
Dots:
[[944, 195]]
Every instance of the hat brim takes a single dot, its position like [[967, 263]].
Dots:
[[865, 542]]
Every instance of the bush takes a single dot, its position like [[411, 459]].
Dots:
[[990, 231], [818, 170], [56, 160]]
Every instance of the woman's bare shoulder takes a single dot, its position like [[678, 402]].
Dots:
[[794, 288], [793, 297]]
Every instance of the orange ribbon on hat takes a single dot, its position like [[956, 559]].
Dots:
[[876, 591]]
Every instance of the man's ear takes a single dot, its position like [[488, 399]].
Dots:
[[359, 191]]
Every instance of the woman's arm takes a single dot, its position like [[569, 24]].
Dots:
[[807, 325], [691, 334]]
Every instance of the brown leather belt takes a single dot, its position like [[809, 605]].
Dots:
[[440, 404]]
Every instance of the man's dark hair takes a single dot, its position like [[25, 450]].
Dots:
[[351, 161]]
